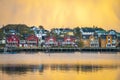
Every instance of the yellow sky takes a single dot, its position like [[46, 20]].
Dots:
[[61, 13]]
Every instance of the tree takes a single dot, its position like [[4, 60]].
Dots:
[[41, 27], [80, 44], [77, 31]]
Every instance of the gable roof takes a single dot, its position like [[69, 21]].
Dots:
[[88, 29]]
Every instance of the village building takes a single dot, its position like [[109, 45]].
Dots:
[[57, 31], [69, 40], [85, 40], [87, 31], [32, 41], [94, 41], [108, 41], [51, 41], [12, 41], [41, 34]]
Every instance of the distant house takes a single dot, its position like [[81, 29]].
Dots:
[[41, 34], [69, 40], [87, 31], [12, 41], [85, 40], [51, 41], [57, 31], [108, 41], [32, 41], [112, 32], [94, 41], [111, 41]]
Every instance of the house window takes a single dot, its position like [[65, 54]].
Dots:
[[108, 41], [84, 37], [108, 45], [108, 37]]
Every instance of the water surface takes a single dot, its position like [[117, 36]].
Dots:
[[60, 66]]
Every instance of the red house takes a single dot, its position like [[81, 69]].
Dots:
[[68, 40], [32, 41], [51, 41], [12, 41]]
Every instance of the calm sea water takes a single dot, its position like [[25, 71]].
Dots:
[[77, 70]]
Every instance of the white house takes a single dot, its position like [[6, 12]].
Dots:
[[41, 34], [87, 31]]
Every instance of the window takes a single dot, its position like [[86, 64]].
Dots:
[[84, 37]]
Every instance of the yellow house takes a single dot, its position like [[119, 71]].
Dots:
[[85, 40], [70, 33], [107, 41], [94, 41]]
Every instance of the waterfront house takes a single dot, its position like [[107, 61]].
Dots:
[[94, 41], [41, 34], [57, 31], [85, 35], [85, 40], [51, 41], [12, 41], [32, 41], [111, 41], [108, 41], [69, 40]]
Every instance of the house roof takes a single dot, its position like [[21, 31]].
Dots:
[[114, 36], [112, 32], [88, 29], [85, 36], [103, 36]]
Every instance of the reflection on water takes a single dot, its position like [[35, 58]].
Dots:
[[55, 71], [60, 67], [23, 69]]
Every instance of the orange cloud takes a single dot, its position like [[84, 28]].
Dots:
[[61, 13]]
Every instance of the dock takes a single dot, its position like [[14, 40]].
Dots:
[[53, 50]]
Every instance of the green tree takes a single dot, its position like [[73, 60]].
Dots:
[[41, 27], [77, 32], [80, 44]]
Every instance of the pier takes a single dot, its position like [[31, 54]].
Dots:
[[52, 50]]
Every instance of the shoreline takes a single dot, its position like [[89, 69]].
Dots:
[[47, 50], [58, 58]]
